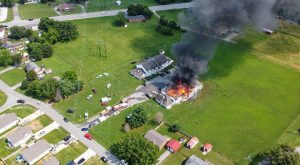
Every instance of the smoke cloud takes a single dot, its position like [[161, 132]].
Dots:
[[288, 8], [207, 22]]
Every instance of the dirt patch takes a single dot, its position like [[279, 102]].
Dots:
[[35, 125]]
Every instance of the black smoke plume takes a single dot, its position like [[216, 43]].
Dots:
[[289, 9], [206, 22]]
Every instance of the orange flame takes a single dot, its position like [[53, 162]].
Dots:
[[178, 90]]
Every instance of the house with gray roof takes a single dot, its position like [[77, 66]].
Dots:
[[7, 121], [36, 152], [19, 137], [159, 140], [51, 161], [194, 160], [151, 66]]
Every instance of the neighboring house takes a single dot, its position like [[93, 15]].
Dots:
[[159, 140], [19, 137], [51, 161], [194, 160], [14, 47], [65, 7], [7, 121], [36, 152], [173, 146], [2, 33], [207, 147], [25, 57], [33, 66], [151, 66], [192, 143], [137, 18]]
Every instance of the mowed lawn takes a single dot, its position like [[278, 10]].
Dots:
[[102, 48], [98, 5], [245, 106], [13, 77], [71, 152], [21, 111], [37, 10], [56, 135], [3, 98]]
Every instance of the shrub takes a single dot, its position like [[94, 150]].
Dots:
[[174, 128]]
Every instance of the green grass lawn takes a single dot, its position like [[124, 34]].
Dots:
[[3, 98], [95, 160], [291, 135], [37, 10], [77, 9], [171, 14], [21, 111], [13, 77], [86, 56], [5, 150], [56, 135], [71, 152], [10, 15]]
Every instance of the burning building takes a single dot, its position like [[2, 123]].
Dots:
[[178, 93]]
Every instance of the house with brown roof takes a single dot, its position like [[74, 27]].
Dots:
[[65, 7], [159, 140], [136, 18], [173, 146], [192, 143]]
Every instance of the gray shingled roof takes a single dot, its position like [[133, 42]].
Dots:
[[19, 134], [51, 161], [7, 119], [149, 65], [161, 59], [156, 138], [194, 160], [35, 150], [31, 66], [164, 100]]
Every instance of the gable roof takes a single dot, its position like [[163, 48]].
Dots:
[[31, 66], [161, 59], [192, 142], [194, 160], [174, 145], [149, 65], [19, 134], [156, 138], [35, 150], [7, 119]]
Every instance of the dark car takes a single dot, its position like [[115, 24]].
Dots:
[[104, 159], [21, 101], [81, 161], [84, 129], [71, 162], [30, 19], [92, 125], [66, 120], [67, 138], [70, 110]]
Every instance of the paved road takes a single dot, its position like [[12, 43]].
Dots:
[[48, 110], [94, 15]]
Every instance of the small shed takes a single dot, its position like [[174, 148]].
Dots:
[[207, 147], [136, 18], [192, 143], [173, 146]]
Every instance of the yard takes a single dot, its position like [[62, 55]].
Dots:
[[95, 160], [39, 123], [5, 150], [37, 10], [56, 135], [96, 52], [3, 98], [71, 152], [21, 111], [13, 77], [10, 15]]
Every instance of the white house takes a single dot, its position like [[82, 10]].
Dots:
[[36, 152], [19, 137], [151, 66], [7, 121]]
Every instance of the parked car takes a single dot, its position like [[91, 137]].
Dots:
[[71, 162], [21, 101], [19, 158], [81, 161], [88, 136], [30, 19], [92, 125], [70, 110], [66, 120], [104, 159], [84, 129], [67, 138]]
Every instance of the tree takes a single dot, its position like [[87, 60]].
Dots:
[[24, 85], [69, 75], [135, 9], [174, 128], [47, 50], [136, 150], [8, 3], [159, 117], [137, 118], [126, 127], [46, 23], [17, 59], [120, 19], [67, 31], [18, 32], [45, 89], [147, 12], [35, 51], [31, 75], [51, 36], [164, 30], [5, 58], [283, 154], [68, 87], [22, 2]]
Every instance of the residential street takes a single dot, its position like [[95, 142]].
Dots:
[[35, 22], [54, 115]]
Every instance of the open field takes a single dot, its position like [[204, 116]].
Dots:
[[56, 135], [37, 10], [3, 98], [171, 14], [95, 52], [71, 152], [13, 77], [21, 111]]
